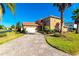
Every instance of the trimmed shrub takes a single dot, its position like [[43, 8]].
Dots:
[[24, 31], [3, 34], [56, 35], [49, 31], [19, 30], [41, 32]]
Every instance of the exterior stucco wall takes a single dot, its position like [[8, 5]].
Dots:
[[30, 26], [53, 22], [47, 23], [65, 29]]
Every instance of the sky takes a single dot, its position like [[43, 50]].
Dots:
[[30, 12]]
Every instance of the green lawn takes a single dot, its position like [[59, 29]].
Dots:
[[69, 43], [10, 36]]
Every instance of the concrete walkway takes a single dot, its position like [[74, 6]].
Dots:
[[29, 45]]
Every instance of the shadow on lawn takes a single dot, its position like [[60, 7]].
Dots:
[[63, 36], [55, 46]]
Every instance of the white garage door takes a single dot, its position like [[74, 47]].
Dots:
[[31, 29]]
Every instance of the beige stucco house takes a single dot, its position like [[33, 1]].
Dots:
[[52, 23], [49, 23]]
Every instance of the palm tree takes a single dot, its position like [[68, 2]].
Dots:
[[62, 7], [76, 18], [11, 6]]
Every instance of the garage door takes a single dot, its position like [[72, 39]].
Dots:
[[31, 29]]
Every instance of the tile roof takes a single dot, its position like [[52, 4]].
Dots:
[[38, 21], [41, 20], [50, 17], [29, 23]]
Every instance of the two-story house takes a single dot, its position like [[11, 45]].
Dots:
[[48, 23], [51, 23]]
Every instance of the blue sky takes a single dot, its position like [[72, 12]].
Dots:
[[30, 12]]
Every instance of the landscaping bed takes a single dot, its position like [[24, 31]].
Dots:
[[68, 43]]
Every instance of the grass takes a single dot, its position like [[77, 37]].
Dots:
[[10, 36], [69, 43]]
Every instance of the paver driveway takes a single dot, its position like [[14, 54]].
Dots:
[[30, 44]]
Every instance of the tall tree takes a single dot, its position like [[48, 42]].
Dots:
[[18, 27], [76, 18], [62, 7]]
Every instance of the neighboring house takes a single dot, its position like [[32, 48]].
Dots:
[[70, 25], [51, 23], [30, 26]]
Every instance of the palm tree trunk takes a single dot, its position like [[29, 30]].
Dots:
[[62, 14], [77, 29], [1, 14]]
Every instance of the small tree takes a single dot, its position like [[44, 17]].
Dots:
[[13, 26], [18, 27], [76, 18], [1, 27]]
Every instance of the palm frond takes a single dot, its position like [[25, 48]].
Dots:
[[62, 6], [76, 14], [74, 17], [76, 11], [11, 6]]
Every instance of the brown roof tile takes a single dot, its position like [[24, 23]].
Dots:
[[29, 23]]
